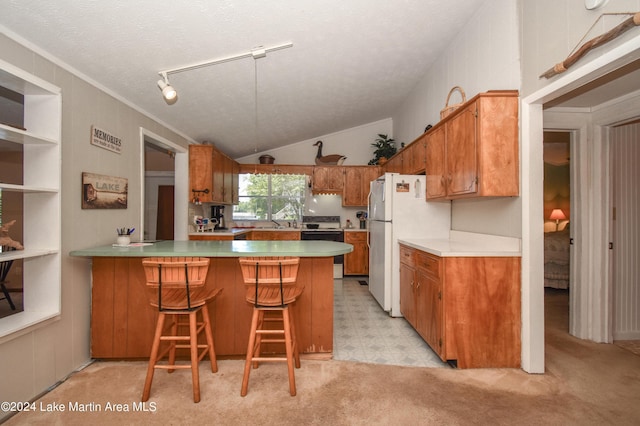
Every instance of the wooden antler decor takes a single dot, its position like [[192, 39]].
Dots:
[[561, 67]]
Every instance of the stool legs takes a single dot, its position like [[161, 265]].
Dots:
[[255, 341], [194, 330], [153, 358]]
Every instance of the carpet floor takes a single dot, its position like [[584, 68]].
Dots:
[[585, 383]]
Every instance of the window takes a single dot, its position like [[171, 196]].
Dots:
[[270, 197]]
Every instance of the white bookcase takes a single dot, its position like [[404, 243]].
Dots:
[[41, 186]]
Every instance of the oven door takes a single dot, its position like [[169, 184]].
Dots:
[[325, 236]]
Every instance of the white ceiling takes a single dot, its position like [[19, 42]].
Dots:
[[352, 61]]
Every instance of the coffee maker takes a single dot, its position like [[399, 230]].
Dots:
[[217, 212]]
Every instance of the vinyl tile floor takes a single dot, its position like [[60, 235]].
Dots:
[[364, 332]]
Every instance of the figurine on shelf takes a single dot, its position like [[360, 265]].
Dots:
[[5, 239]]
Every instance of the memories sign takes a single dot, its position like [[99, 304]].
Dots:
[[105, 140]]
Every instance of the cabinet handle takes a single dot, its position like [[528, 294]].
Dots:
[[418, 285]]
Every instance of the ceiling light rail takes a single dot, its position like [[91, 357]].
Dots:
[[171, 95]]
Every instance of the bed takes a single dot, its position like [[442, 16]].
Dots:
[[556, 259]]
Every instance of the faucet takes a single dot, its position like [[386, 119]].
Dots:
[[276, 223]]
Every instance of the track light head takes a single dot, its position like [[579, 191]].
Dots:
[[168, 92]]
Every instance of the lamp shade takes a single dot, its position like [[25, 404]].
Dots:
[[557, 214]]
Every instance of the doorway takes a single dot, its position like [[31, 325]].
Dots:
[[164, 176]]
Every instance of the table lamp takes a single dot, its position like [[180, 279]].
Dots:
[[557, 215]]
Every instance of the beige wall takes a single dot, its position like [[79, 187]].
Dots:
[[484, 56], [34, 361], [551, 29]]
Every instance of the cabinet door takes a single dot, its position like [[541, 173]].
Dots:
[[356, 262], [429, 319], [394, 165], [218, 177], [201, 173], [353, 186], [356, 184], [227, 192], [435, 164], [407, 293], [461, 152], [414, 157], [328, 179]]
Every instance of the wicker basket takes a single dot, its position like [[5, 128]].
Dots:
[[448, 109]]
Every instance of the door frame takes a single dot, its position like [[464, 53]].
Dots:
[[181, 181], [531, 136]]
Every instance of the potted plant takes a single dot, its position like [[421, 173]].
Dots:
[[385, 148]]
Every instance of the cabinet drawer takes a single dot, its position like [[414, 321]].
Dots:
[[355, 236], [429, 263], [406, 255]]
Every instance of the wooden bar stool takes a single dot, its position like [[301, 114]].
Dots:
[[271, 287], [178, 290]]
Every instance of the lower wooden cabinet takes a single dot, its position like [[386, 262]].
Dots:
[[274, 235], [466, 308], [356, 262]]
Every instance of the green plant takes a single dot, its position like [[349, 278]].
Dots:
[[384, 147]]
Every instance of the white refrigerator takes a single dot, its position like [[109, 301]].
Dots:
[[398, 209]]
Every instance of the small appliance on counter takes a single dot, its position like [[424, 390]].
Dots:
[[362, 216], [217, 213]]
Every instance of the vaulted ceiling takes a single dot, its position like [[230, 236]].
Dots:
[[352, 61]]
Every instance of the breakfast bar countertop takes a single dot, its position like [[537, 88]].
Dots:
[[235, 248]]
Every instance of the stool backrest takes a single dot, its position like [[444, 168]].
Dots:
[[269, 272], [168, 274]]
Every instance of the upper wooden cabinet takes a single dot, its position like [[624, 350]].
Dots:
[[356, 184], [213, 177], [480, 149], [435, 167], [327, 179], [201, 173], [414, 157], [394, 165]]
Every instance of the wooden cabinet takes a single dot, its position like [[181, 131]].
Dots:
[[466, 308], [394, 165], [327, 179], [429, 318], [356, 262], [414, 156], [407, 285], [213, 177], [480, 149], [435, 164], [356, 184], [274, 235], [201, 173]]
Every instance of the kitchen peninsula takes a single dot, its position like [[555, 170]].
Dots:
[[122, 321]]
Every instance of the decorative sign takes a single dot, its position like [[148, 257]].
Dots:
[[105, 140], [103, 192]]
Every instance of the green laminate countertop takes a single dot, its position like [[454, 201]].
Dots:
[[220, 249]]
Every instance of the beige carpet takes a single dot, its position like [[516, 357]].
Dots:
[[585, 384]]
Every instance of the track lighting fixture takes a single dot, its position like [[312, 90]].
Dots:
[[168, 92], [171, 96]]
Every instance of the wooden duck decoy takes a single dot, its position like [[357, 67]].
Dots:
[[328, 160]]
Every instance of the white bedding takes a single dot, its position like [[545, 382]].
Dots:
[[556, 259]]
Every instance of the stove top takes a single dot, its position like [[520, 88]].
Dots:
[[321, 223]]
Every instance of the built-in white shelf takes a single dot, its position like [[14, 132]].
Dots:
[[19, 136], [27, 189], [41, 203]]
